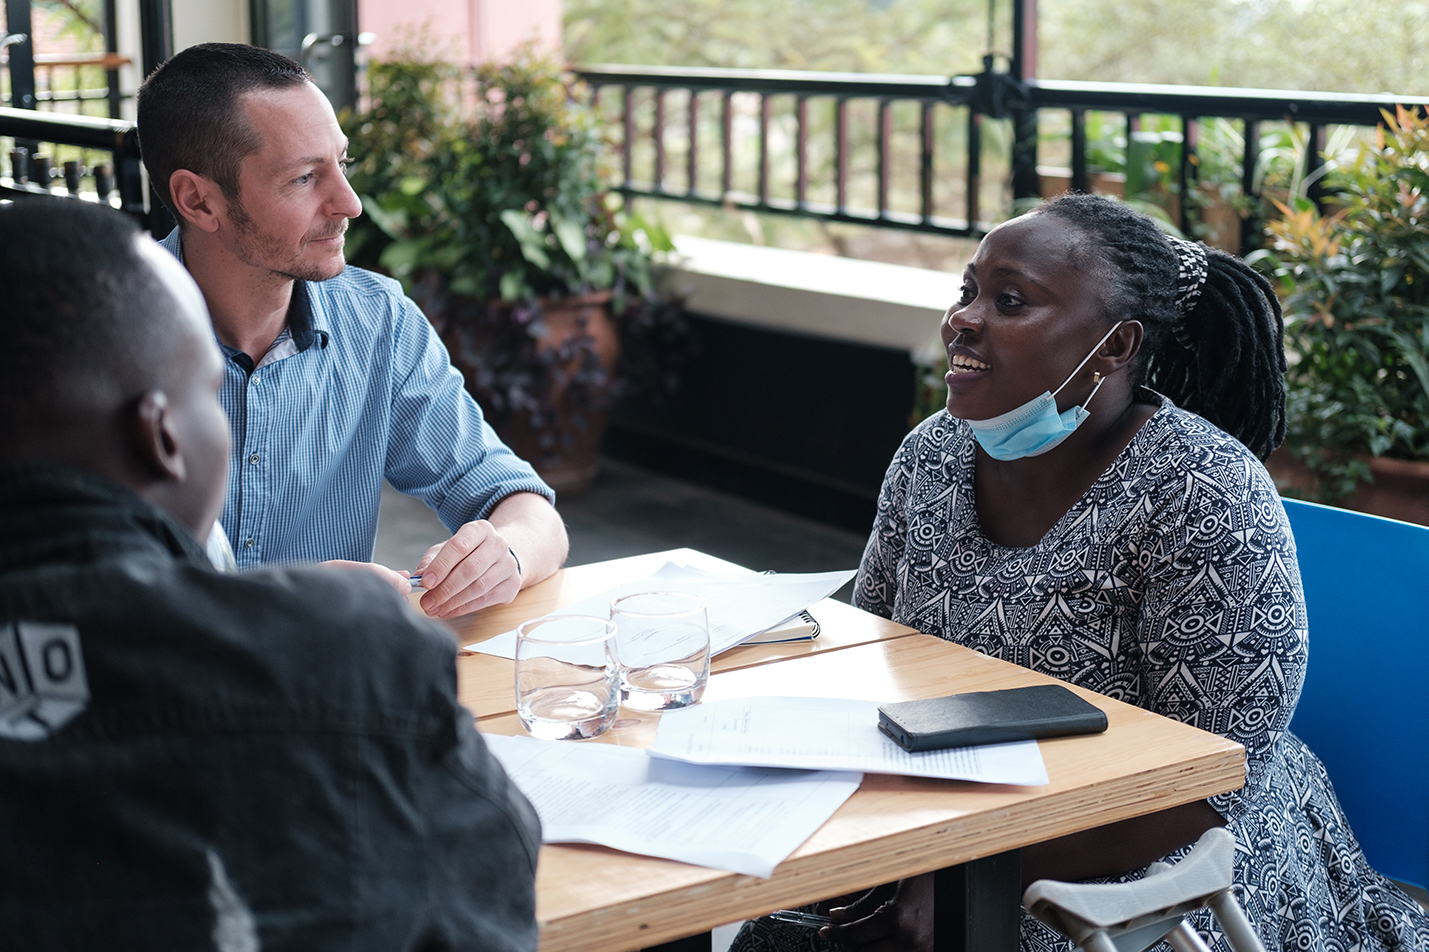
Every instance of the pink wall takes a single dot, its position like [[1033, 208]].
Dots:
[[470, 31]]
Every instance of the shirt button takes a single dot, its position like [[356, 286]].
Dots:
[[253, 460], [257, 379], [248, 544]]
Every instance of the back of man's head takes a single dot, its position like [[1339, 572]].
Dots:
[[85, 319], [191, 112]]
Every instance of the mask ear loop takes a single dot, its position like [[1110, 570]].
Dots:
[[1097, 377]]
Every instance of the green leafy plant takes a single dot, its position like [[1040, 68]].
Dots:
[[483, 193], [1106, 142], [491, 180], [1356, 296]]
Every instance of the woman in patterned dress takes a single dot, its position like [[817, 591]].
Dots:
[[1132, 544]]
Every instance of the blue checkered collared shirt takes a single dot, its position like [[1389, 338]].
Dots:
[[363, 390]]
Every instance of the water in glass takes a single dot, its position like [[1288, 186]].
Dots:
[[567, 678], [663, 642]]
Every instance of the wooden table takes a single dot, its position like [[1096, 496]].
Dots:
[[487, 684], [598, 900]]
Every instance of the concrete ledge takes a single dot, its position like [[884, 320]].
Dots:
[[863, 302]]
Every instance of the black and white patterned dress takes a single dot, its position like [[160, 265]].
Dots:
[[1172, 584]]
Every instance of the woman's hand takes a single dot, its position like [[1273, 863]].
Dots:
[[894, 918]]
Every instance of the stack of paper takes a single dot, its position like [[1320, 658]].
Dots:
[[742, 819], [828, 734], [740, 606]]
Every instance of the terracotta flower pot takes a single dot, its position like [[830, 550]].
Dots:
[[1221, 218], [1400, 489], [563, 449]]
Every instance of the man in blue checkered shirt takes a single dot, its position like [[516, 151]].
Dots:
[[334, 380]]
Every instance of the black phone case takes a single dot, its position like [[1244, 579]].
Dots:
[[989, 717]]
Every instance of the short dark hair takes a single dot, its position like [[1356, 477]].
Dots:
[[85, 319], [1231, 367], [190, 116]]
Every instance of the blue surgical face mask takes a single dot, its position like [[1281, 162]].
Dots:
[[1036, 427]]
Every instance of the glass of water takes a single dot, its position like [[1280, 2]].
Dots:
[[567, 676], [663, 642]]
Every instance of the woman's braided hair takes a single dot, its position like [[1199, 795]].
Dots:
[[1225, 358]]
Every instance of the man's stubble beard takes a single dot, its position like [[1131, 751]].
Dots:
[[259, 250]]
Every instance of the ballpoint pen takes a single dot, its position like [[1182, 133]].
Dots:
[[806, 919]]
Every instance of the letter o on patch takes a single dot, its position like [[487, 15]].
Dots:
[[59, 662]]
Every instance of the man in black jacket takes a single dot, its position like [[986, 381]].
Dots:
[[190, 760]]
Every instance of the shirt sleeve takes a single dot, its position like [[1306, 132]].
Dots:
[[1222, 629], [441, 448]]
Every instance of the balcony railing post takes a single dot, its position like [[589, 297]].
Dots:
[[974, 188], [885, 133], [1250, 155], [1024, 40], [801, 156], [925, 165], [1079, 150], [627, 136], [841, 156], [1187, 172], [692, 160], [21, 56], [764, 149], [156, 33], [1024, 121], [111, 45], [1315, 164], [129, 179], [658, 135], [727, 146], [1024, 154]]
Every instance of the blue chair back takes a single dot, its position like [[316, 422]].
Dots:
[[1365, 707]]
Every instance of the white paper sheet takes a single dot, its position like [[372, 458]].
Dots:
[[740, 606], [743, 819], [828, 734]]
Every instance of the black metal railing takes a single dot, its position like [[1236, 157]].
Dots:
[[745, 94], [118, 182], [926, 172], [907, 152], [1313, 112], [70, 83]]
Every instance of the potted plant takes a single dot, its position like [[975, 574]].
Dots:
[[1356, 295], [1216, 202], [483, 194]]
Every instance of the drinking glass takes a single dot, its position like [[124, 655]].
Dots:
[[567, 676], [663, 642]]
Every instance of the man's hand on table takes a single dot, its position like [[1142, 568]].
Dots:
[[488, 561], [897, 917], [471, 570]]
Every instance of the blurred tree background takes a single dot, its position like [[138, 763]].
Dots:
[[1360, 46], [870, 36]]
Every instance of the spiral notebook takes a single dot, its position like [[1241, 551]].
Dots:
[[801, 627]]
